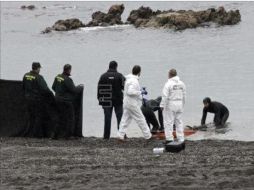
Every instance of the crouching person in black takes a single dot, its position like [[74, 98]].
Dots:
[[66, 94], [40, 101], [220, 111], [148, 108]]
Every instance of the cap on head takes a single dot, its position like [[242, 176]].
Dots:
[[36, 65], [136, 70], [67, 67], [207, 100], [113, 65], [172, 73]]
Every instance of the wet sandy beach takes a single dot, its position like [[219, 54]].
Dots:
[[92, 163]]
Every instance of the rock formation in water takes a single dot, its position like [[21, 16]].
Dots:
[[113, 17], [180, 20], [99, 18], [65, 25], [146, 17], [29, 7]]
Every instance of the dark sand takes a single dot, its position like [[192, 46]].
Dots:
[[93, 163]]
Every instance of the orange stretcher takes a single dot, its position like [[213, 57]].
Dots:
[[187, 132]]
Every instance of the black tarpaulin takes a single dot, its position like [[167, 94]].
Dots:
[[14, 117]]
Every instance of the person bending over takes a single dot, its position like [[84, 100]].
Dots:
[[148, 108], [221, 112]]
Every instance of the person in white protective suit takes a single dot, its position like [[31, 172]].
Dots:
[[131, 105], [172, 104]]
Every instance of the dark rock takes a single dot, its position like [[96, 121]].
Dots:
[[182, 19], [221, 17], [116, 9], [113, 17], [47, 30], [141, 13], [65, 25], [146, 17], [29, 7]]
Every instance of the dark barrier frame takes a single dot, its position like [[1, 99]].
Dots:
[[14, 118]]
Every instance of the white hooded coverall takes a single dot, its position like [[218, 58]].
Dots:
[[131, 107], [173, 100]]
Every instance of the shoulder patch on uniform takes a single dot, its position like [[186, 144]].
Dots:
[[59, 79], [29, 77]]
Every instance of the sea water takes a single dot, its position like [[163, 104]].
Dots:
[[212, 61]]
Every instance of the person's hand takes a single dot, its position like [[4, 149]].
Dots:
[[162, 108], [143, 91]]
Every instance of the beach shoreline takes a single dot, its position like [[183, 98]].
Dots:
[[94, 163]]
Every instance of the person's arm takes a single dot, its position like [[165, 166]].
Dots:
[[216, 118], [23, 83], [122, 82], [184, 94], [165, 95], [54, 85], [45, 91], [160, 116], [133, 90], [70, 86], [204, 117], [43, 85], [99, 89]]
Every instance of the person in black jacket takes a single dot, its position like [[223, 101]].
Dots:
[[110, 95], [66, 93], [221, 112], [39, 98], [148, 108]]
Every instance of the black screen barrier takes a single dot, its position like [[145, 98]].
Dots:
[[14, 116]]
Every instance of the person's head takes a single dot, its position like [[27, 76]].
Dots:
[[172, 73], [158, 99], [36, 67], [206, 101], [67, 69], [113, 65], [136, 70]]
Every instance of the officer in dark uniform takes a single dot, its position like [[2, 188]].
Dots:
[[38, 97], [148, 108], [221, 112], [110, 95], [66, 94]]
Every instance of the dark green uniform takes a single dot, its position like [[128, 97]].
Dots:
[[64, 88], [35, 86], [39, 99], [66, 94]]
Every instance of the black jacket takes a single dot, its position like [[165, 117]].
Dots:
[[35, 86], [214, 107], [110, 88], [151, 106], [64, 88]]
